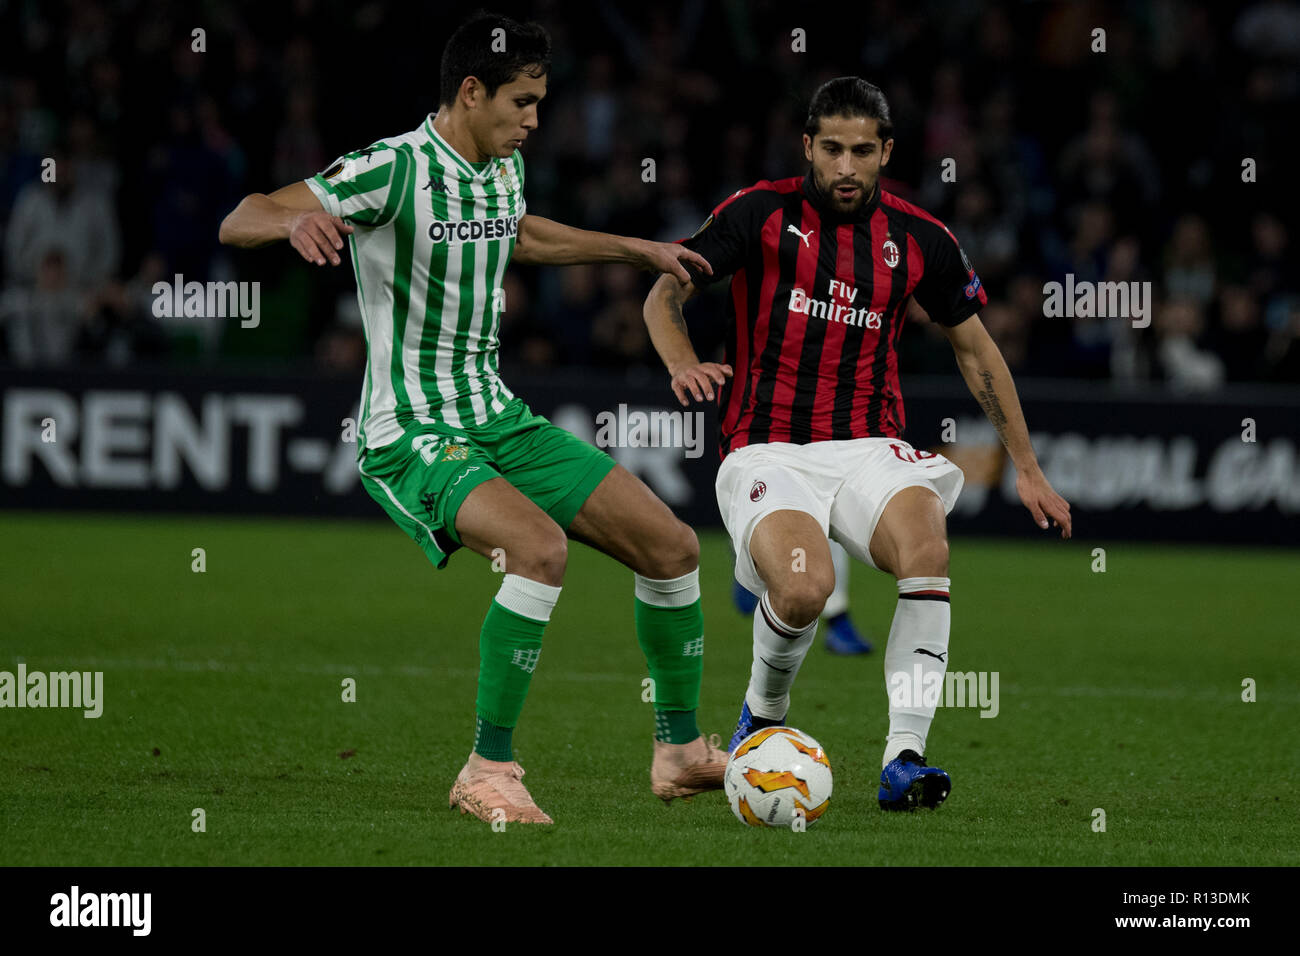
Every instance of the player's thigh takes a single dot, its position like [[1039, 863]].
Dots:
[[916, 489], [420, 481], [756, 484], [911, 538], [554, 469], [499, 522], [624, 519], [793, 557]]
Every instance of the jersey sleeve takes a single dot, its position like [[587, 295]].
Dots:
[[949, 290], [366, 187], [724, 239]]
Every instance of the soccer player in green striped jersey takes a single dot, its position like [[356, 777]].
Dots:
[[432, 218]]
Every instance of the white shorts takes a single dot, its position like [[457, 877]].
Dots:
[[844, 485]]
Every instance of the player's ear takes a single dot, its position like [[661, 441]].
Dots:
[[886, 150], [807, 147], [471, 91]]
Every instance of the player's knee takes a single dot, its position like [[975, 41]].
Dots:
[[685, 549], [799, 598], [675, 552], [543, 554], [925, 558]]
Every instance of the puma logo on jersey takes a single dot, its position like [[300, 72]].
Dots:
[[802, 235]]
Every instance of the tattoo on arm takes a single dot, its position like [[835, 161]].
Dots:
[[988, 400]]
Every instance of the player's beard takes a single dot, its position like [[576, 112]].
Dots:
[[865, 192]]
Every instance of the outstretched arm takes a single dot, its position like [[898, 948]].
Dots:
[[663, 318], [546, 242], [292, 213], [989, 380]]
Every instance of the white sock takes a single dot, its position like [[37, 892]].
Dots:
[[838, 602], [527, 598], [670, 592], [917, 650], [779, 649]]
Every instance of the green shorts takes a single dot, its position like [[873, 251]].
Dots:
[[422, 479]]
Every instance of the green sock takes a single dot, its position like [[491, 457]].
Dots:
[[675, 726], [672, 639], [492, 742], [509, 646]]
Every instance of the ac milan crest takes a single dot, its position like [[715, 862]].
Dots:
[[890, 252], [757, 492]]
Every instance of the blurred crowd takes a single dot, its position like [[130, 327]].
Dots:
[[128, 130]]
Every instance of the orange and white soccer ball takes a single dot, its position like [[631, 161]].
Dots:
[[778, 777]]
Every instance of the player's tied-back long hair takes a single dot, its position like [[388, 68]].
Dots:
[[849, 96]]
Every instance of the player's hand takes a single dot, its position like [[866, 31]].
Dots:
[[1043, 502], [319, 236], [668, 257], [699, 380]]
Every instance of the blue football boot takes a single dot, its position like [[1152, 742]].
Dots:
[[907, 783], [743, 598], [748, 723], [843, 638]]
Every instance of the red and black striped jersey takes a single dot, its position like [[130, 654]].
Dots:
[[816, 306]]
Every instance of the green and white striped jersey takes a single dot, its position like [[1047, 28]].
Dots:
[[433, 236]]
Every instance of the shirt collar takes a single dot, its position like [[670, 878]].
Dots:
[[819, 201], [489, 167]]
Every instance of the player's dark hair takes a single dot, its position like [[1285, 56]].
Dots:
[[470, 52], [849, 96]]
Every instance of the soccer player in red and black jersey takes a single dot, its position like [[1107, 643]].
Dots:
[[811, 418]]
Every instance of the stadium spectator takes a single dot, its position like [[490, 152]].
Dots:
[[1185, 366], [1238, 336], [43, 322], [1189, 261], [18, 165], [63, 215]]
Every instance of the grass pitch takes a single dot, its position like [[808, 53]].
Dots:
[[222, 690]]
